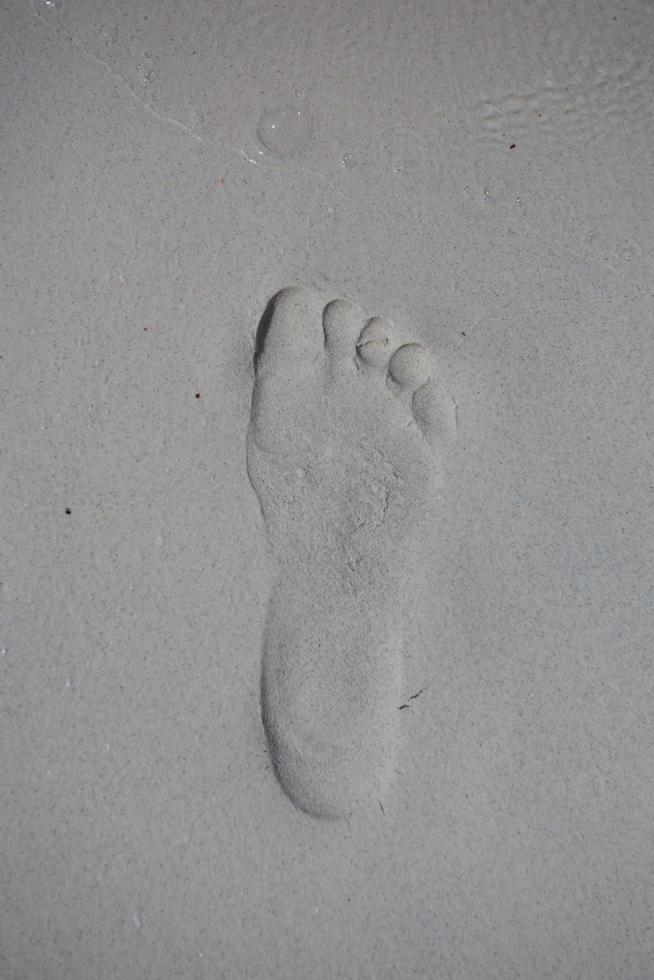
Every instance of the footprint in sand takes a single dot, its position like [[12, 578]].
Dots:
[[341, 453]]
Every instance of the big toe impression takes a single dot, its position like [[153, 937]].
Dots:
[[293, 330]]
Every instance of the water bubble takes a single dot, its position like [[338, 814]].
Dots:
[[145, 68], [348, 161], [53, 4], [68, 683], [3, 651], [136, 919], [285, 130]]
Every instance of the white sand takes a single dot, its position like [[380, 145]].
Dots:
[[164, 170]]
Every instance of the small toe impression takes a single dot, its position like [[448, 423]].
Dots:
[[375, 342], [410, 366], [341, 322], [435, 415]]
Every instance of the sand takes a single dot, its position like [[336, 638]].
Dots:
[[480, 177]]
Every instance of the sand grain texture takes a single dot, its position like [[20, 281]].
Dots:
[[480, 177]]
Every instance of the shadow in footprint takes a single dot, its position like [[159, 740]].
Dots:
[[263, 329]]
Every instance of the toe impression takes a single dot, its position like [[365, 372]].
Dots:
[[341, 322], [290, 328], [410, 366], [375, 342], [435, 414]]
